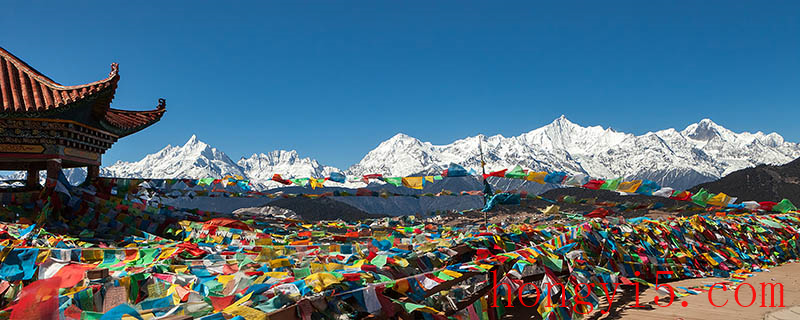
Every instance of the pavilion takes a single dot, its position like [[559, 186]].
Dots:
[[48, 126]]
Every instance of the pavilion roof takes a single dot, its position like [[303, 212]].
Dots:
[[27, 93]]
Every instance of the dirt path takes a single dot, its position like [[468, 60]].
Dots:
[[699, 307]]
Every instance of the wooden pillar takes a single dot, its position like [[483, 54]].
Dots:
[[53, 168], [92, 172], [32, 179]]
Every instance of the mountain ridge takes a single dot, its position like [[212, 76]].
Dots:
[[701, 152], [760, 183]]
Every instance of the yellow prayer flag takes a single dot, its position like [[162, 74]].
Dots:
[[332, 266], [413, 182], [629, 186], [43, 254], [224, 279], [166, 253], [401, 262], [537, 177], [543, 308], [451, 273], [179, 269], [321, 280], [710, 259], [276, 274], [91, 255], [550, 210], [246, 312], [277, 263], [265, 255], [719, 200], [316, 183]]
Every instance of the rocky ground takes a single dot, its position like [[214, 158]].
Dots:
[[310, 209]]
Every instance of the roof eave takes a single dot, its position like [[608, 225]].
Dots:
[[127, 122]]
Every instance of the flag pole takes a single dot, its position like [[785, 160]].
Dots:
[[485, 183]]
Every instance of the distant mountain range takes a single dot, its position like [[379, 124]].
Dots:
[[701, 152]]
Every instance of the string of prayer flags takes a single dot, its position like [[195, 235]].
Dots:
[[193, 187]]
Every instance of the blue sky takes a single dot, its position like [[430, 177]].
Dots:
[[332, 79]]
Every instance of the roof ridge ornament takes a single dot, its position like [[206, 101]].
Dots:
[[114, 69], [162, 103]]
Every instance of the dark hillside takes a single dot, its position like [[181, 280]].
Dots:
[[760, 183]]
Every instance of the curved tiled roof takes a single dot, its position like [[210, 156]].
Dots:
[[23, 89], [27, 92], [133, 121]]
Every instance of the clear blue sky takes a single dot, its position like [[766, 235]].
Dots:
[[332, 79]]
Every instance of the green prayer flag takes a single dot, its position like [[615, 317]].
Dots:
[[611, 184], [245, 262], [147, 256], [784, 206], [701, 197], [554, 264], [516, 173], [301, 272], [90, 315], [379, 261], [411, 307], [395, 181], [443, 276]]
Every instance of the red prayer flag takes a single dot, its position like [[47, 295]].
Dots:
[[598, 213], [73, 313], [767, 205], [683, 196], [72, 274], [277, 178], [501, 173], [220, 303], [481, 254], [594, 184], [372, 176], [38, 300]]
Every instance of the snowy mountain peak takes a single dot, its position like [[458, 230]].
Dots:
[[400, 142], [276, 157], [401, 136], [259, 168], [400, 139], [562, 121], [195, 159], [192, 140], [706, 130]]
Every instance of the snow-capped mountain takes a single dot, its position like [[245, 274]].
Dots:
[[287, 163], [74, 175], [195, 159], [259, 168], [702, 152]]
